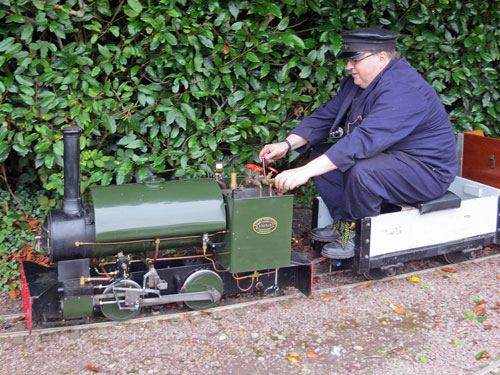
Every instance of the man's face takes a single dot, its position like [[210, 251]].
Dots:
[[364, 68]]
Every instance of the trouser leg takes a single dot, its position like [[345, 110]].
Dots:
[[391, 177], [330, 187]]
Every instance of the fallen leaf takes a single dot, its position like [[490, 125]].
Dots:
[[15, 293], [395, 350], [352, 368], [33, 223], [450, 270], [363, 285], [242, 331], [92, 368], [312, 354], [396, 308], [294, 358], [480, 309], [497, 306], [413, 279], [326, 298], [483, 354], [299, 244], [487, 248], [205, 312]]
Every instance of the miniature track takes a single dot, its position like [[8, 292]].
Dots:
[[325, 282]]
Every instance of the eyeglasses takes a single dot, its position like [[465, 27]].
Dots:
[[357, 60]]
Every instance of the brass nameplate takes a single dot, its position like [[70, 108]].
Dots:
[[264, 225]]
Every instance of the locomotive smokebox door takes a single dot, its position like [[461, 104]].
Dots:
[[259, 231]]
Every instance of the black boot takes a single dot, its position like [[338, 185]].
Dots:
[[327, 234]]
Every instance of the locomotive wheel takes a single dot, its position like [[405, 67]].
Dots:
[[458, 256], [374, 274], [200, 281], [380, 273], [112, 311]]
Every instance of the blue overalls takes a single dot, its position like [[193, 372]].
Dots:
[[397, 143]]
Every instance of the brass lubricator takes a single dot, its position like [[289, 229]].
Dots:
[[219, 168]]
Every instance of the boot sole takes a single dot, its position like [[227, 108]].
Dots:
[[323, 239], [337, 256]]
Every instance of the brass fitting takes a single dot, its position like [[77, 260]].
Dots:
[[204, 243], [234, 183], [219, 168]]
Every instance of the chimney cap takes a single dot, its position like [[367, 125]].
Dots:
[[72, 130]]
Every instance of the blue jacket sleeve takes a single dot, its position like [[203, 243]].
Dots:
[[315, 128], [395, 113]]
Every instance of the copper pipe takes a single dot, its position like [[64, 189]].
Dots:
[[148, 240], [170, 258], [157, 241], [97, 279], [105, 273]]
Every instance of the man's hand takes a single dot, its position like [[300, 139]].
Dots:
[[273, 151], [292, 178]]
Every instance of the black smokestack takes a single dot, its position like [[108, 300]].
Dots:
[[72, 202]]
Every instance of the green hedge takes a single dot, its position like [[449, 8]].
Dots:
[[170, 86]]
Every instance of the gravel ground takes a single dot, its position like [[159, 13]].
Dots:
[[435, 325], [357, 330]]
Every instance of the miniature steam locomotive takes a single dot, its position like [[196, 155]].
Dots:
[[236, 240]]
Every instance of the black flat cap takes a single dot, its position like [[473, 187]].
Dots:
[[357, 42]]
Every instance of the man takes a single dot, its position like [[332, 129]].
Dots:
[[395, 141]]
